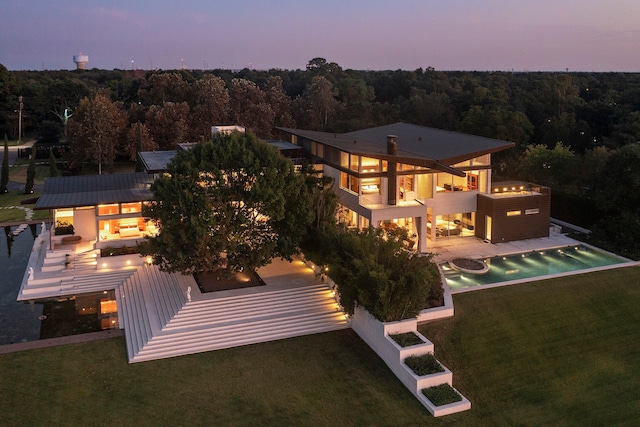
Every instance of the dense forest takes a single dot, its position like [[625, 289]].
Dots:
[[578, 133]]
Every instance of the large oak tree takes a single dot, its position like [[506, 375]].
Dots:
[[230, 203], [95, 130]]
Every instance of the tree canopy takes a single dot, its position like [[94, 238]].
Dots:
[[95, 130], [375, 269], [230, 203]]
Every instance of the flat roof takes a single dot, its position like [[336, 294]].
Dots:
[[156, 161], [417, 142], [91, 190]]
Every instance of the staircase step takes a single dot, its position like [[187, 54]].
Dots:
[[215, 340], [233, 317], [159, 322]]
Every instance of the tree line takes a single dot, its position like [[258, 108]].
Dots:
[[581, 110]]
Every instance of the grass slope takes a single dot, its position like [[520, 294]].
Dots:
[[325, 380], [555, 352]]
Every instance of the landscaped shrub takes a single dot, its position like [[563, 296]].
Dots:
[[377, 270], [442, 394], [406, 339], [125, 250], [63, 227], [425, 364]]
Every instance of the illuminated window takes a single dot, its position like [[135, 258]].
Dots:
[[349, 182], [354, 162], [132, 207], [354, 184], [344, 159], [368, 164], [514, 213], [64, 218], [110, 209]]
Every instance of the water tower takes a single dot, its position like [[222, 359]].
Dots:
[[81, 61]]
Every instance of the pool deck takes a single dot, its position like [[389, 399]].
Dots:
[[446, 250], [472, 247]]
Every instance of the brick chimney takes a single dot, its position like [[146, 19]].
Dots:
[[392, 190]]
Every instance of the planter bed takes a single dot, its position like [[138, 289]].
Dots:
[[445, 408]]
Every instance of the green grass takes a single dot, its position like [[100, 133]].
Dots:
[[555, 352], [330, 379], [13, 198], [18, 172]]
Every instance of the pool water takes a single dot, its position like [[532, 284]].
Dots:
[[32, 321], [19, 321], [531, 265]]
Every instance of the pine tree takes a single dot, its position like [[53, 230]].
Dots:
[[53, 164], [31, 175]]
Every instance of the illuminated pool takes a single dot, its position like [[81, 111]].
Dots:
[[531, 265]]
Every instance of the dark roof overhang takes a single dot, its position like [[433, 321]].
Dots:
[[91, 190]]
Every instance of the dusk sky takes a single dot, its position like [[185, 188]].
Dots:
[[521, 35]]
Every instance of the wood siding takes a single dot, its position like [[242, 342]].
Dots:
[[518, 227]]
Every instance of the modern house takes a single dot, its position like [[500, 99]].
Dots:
[[434, 182], [106, 209]]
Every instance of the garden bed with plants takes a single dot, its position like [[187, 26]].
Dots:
[[406, 339], [442, 394], [425, 364], [125, 250]]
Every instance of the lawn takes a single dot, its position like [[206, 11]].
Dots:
[[555, 352], [13, 198], [330, 379]]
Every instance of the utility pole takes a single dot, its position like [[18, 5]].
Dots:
[[20, 120]]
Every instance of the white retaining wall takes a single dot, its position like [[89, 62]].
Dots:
[[376, 335]]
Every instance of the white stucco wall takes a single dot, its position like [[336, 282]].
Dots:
[[84, 223]]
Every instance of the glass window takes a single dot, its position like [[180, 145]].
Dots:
[[132, 207], [354, 163], [514, 213], [344, 180], [64, 218], [444, 182], [110, 209], [370, 186], [532, 211], [354, 184], [344, 159], [369, 165]]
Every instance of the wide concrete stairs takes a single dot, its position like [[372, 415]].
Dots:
[[161, 322]]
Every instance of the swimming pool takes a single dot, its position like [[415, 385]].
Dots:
[[529, 265]]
